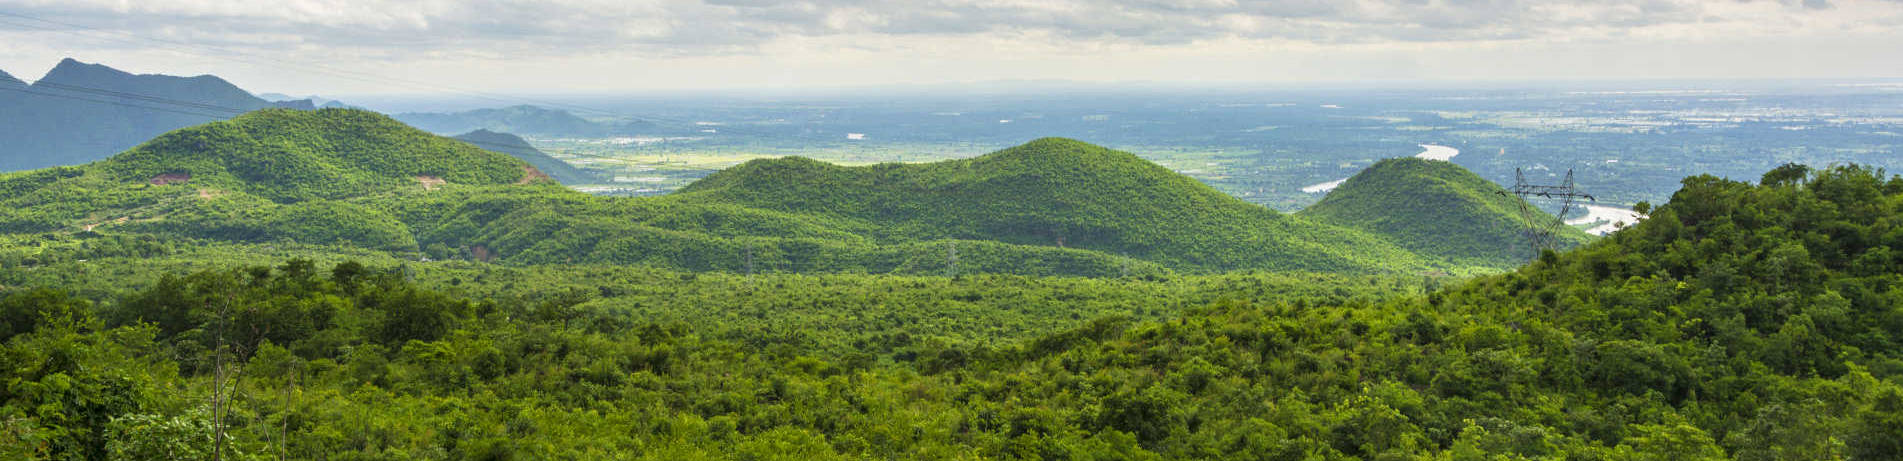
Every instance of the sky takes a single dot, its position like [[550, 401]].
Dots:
[[581, 46]]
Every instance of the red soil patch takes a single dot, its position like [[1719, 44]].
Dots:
[[171, 178], [431, 182], [530, 174]]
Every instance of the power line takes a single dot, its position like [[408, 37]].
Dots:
[[1540, 231], [105, 92], [56, 95]]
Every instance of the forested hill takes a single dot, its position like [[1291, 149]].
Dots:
[[287, 156], [337, 176], [1436, 209], [1052, 192], [1048, 207], [516, 147], [81, 112], [273, 174]]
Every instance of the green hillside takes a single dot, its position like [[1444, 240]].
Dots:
[[357, 178], [1436, 209], [289, 156], [1057, 193], [516, 147], [267, 175], [1049, 207]]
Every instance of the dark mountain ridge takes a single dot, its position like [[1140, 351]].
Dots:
[[524, 119], [9, 81], [72, 75], [82, 112]]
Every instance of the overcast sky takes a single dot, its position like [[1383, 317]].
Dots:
[[380, 46]]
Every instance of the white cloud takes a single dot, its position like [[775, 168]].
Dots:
[[780, 41]]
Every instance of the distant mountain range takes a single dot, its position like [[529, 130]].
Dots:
[[522, 120], [82, 112], [318, 102]]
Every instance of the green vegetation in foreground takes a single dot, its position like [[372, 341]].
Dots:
[[339, 176], [1740, 321], [1436, 209]]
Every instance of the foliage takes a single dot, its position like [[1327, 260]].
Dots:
[[1746, 321], [1050, 207], [1052, 192], [1437, 209]]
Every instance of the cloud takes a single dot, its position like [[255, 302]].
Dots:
[[670, 27], [608, 44]]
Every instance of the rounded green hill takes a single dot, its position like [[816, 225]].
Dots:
[[1436, 209]]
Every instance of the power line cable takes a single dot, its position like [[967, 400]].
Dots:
[[56, 95], [121, 94]]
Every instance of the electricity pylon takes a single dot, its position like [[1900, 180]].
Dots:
[[1540, 228]]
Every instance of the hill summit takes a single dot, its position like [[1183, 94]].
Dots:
[[1434, 208], [1052, 192], [288, 155], [322, 176]]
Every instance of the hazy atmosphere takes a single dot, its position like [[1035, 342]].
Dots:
[[1039, 230], [587, 45]]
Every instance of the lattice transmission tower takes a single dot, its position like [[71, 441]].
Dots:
[[1540, 227]]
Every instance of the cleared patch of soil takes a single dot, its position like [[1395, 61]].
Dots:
[[530, 174], [171, 178], [431, 182]]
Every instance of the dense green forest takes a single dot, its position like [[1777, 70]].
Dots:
[[333, 285], [1745, 321]]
